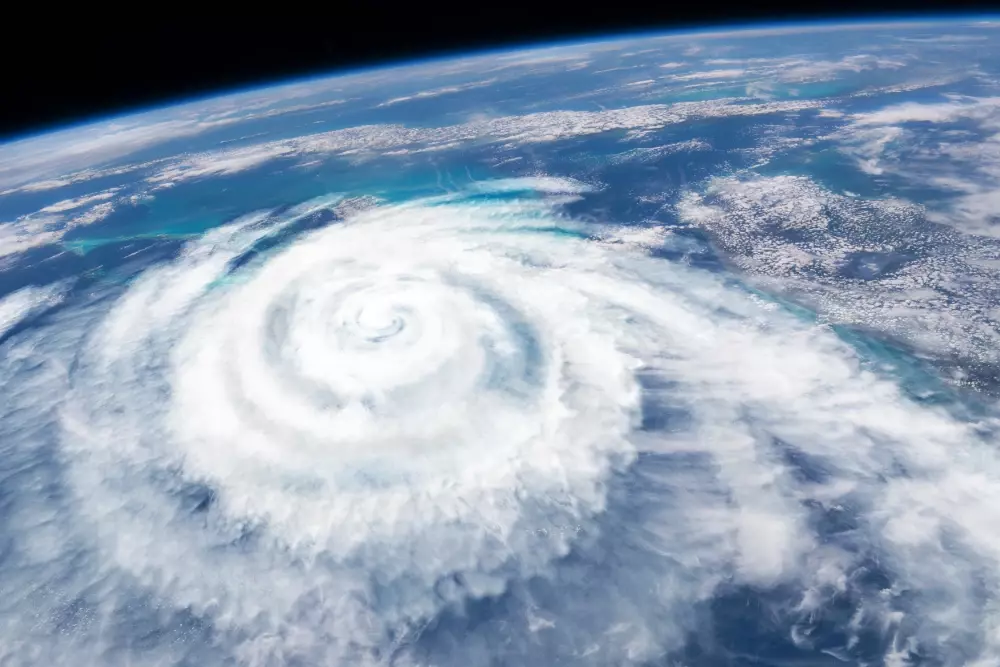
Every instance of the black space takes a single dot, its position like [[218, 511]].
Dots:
[[87, 67]]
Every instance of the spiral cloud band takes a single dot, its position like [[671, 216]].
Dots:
[[469, 430]]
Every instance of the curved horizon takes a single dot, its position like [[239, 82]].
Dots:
[[720, 29]]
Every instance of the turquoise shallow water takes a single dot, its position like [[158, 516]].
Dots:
[[191, 208], [893, 360]]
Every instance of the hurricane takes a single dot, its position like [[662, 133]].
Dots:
[[468, 429]]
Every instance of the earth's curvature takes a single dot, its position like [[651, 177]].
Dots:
[[673, 350]]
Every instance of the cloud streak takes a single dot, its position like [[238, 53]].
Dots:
[[952, 145], [377, 140]]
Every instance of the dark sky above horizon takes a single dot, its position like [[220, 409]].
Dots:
[[100, 66]]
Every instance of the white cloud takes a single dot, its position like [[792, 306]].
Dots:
[[375, 140], [744, 61], [319, 454], [653, 153], [70, 204], [915, 84], [33, 162], [956, 108], [54, 159], [875, 263], [712, 74], [51, 223], [218, 163], [868, 144], [944, 39], [804, 70], [894, 140], [437, 92], [762, 75], [16, 306]]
